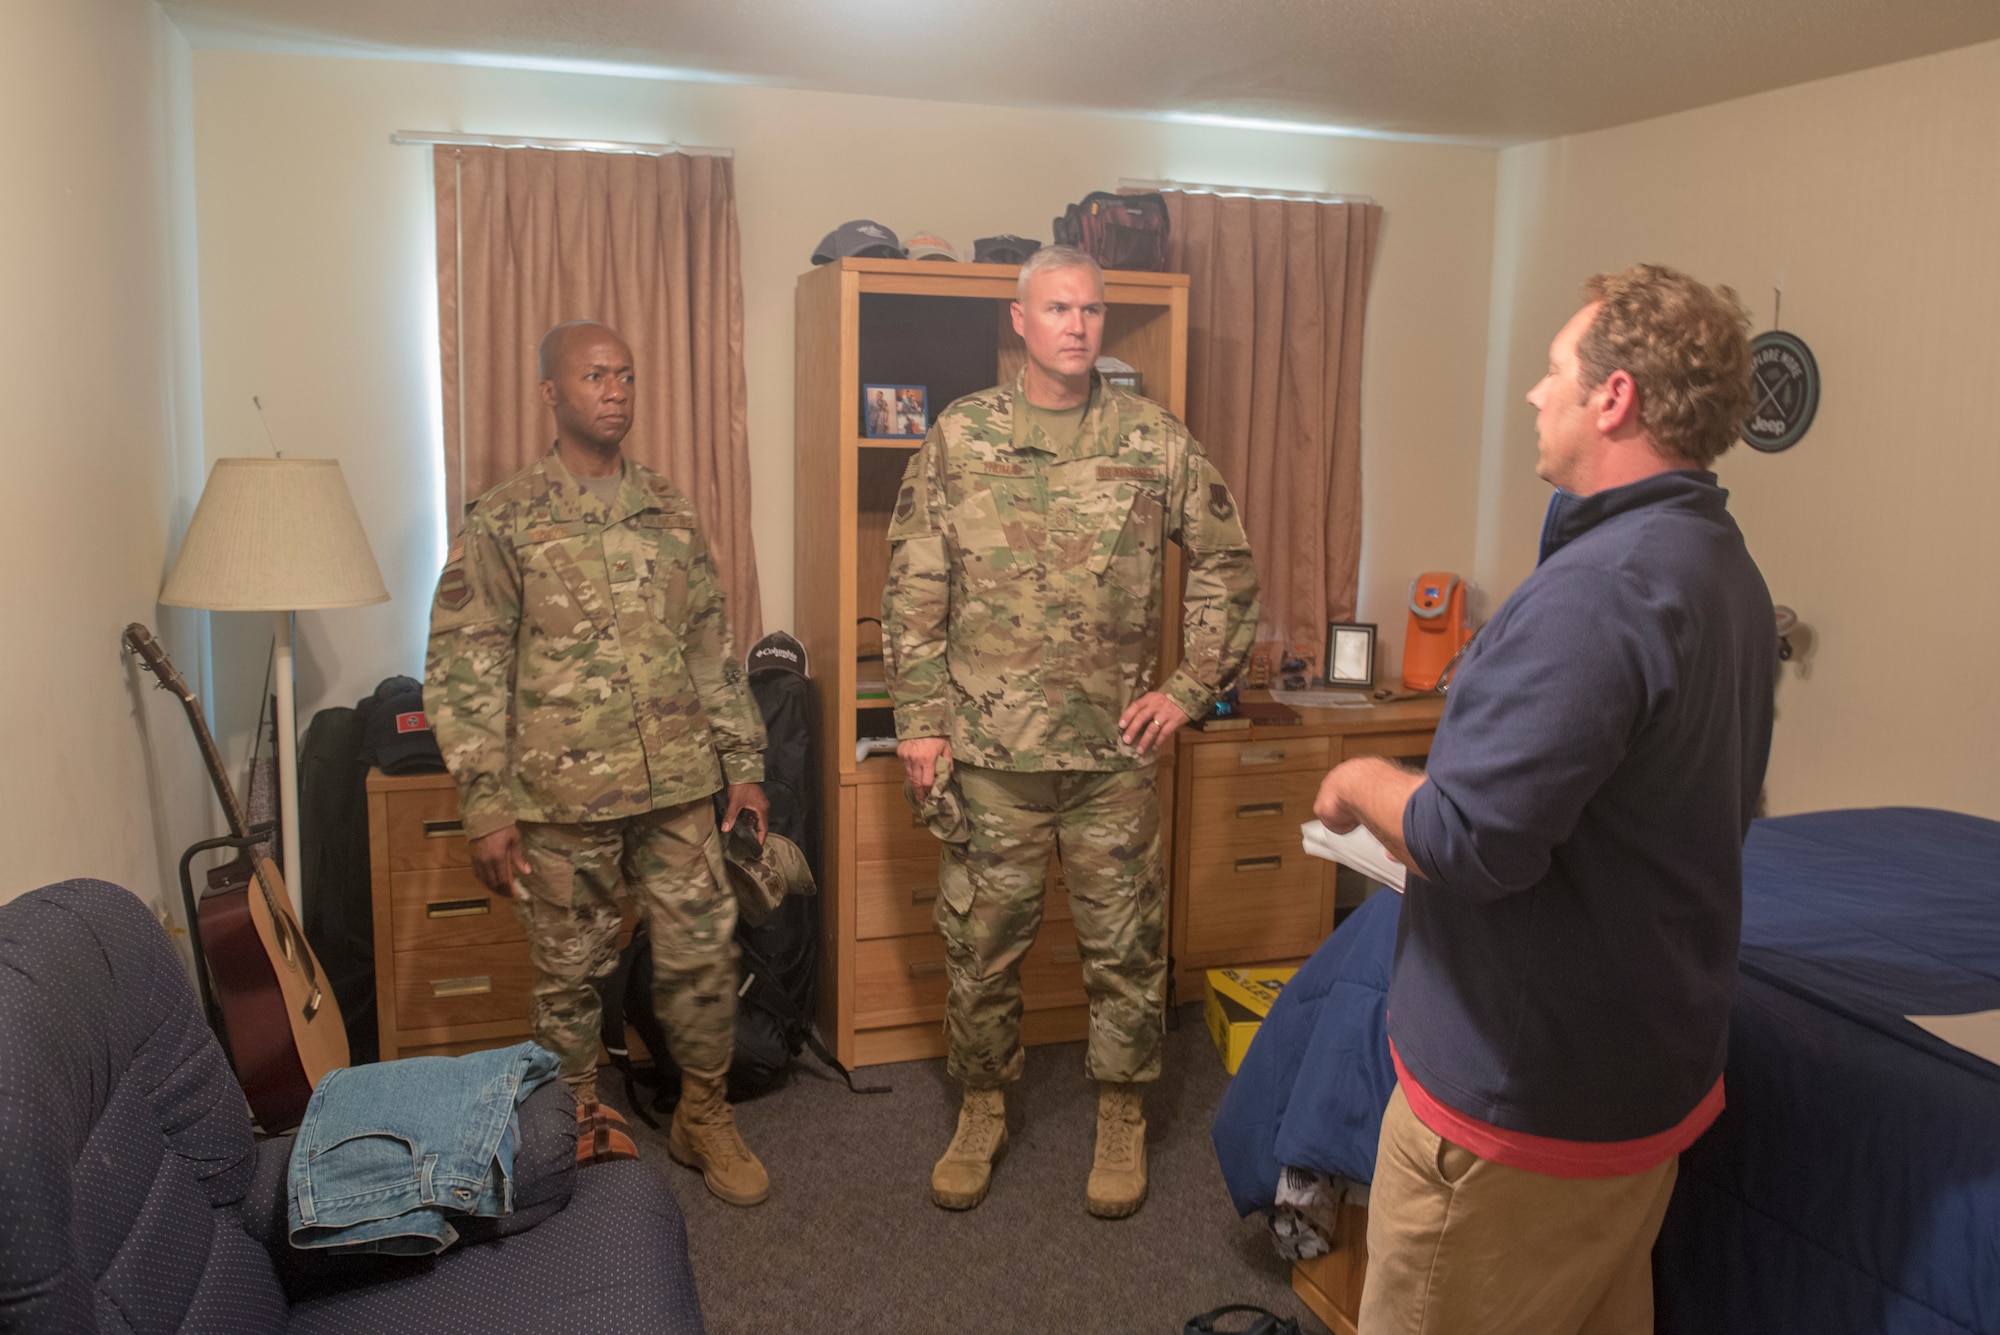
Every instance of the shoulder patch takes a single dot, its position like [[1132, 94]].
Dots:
[[453, 592], [906, 503], [1219, 503]]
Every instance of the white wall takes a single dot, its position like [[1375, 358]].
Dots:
[[317, 285], [1876, 194], [101, 439]]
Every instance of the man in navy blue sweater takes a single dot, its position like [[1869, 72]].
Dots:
[[1567, 954]]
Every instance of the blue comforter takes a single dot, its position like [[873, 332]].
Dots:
[[1852, 1184]]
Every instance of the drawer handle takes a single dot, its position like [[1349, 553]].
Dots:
[[444, 829], [1249, 809], [926, 969], [922, 895], [1271, 863], [462, 987], [457, 908], [1261, 755]]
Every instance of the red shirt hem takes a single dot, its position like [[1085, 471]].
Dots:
[[1547, 1155]]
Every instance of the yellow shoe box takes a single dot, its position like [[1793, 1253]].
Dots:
[[1237, 1002]]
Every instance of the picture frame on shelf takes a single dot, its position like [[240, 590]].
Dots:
[[1350, 654], [894, 412]]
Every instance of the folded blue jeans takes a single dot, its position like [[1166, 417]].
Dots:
[[388, 1152]]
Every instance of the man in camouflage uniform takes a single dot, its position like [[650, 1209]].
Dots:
[[1021, 627], [589, 703]]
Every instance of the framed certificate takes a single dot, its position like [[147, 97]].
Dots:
[[1350, 654]]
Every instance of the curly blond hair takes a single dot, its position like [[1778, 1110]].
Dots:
[[1685, 345]]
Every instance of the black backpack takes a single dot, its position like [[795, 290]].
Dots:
[[336, 893], [1118, 231], [780, 957]]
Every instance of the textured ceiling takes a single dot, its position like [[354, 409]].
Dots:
[[1476, 69]]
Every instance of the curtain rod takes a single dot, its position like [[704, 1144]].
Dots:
[[1243, 191], [450, 137]]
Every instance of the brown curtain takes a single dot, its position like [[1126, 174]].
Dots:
[[1277, 293], [529, 238]]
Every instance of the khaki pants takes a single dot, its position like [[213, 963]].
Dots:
[[670, 862], [1460, 1245], [1106, 829]]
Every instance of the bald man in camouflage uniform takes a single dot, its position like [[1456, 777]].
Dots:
[[1022, 626], [589, 704]]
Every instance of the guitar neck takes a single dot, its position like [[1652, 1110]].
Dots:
[[155, 658]]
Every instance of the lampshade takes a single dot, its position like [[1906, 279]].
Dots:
[[274, 535]]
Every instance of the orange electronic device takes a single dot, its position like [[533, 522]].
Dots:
[[1438, 628]]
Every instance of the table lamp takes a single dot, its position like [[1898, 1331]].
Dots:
[[281, 536]]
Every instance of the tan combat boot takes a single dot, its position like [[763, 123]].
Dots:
[[1118, 1177], [960, 1179], [704, 1136]]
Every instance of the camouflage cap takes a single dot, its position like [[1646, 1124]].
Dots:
[[763, 874], [943, 808]]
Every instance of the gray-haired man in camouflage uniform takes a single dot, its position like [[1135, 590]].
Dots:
[[584, 690], [1022, 626]]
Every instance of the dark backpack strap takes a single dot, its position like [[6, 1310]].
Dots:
[[772, 998], [819, 1051], [1266, 1323], [612, 995]]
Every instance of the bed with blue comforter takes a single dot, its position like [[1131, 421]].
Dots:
[[1852, 1185]]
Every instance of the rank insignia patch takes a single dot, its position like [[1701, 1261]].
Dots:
[[1219, 503], [906, 504]]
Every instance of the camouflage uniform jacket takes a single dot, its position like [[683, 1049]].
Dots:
[[1024, 604], [580, 664]]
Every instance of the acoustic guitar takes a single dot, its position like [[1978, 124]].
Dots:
[[284, 1024]]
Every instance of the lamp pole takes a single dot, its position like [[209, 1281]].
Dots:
[[288, 760]]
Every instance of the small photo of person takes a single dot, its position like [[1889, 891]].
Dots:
[[910, 412], [881, 414]]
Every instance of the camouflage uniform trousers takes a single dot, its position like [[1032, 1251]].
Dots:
[[670, 862], [1105, 826]]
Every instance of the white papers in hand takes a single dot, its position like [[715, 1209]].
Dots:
[[1357, 849], [1977, 1033]]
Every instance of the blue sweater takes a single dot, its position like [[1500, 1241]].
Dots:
[[1565, 967]]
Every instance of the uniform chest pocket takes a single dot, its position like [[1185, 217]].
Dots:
[[1133, 558], [663, 549], [564, 591], [1109, 517], [996, 510]]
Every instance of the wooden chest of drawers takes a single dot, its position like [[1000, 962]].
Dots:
[[1245, 892], [451, 963]]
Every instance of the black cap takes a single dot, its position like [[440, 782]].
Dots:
[[1007, 249], [776, 652], [399, 739], [860, 237]]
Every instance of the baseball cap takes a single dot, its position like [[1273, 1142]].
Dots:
[[761, 875], [860, 237], [928, 245], [1007, 249], [776, 652], [398, 739]]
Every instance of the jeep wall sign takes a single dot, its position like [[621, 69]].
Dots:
[[1784, 390]]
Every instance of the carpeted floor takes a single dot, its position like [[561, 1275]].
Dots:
[[849, 1240]]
